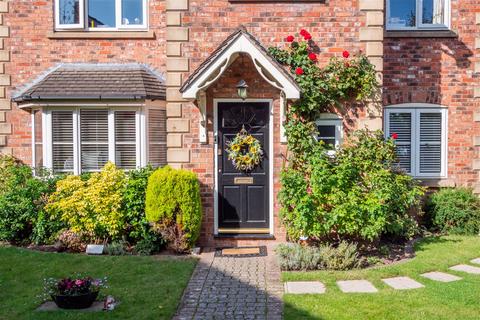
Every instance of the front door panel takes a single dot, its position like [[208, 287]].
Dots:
[[243, 196]]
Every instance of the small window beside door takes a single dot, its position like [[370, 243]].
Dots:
[[330, 130], [421, 139]]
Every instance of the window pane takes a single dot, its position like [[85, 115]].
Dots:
[[132, 12], [157, 137], [94, 139], [402, 13], [62, 141], [401, 124], [101, 14], [38, 161], [329, 142], [430, 143], [433, 12], [69, 11], [125, 140], [326, 131]]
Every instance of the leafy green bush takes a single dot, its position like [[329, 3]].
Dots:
[[356, 194], [455, 210], [297, 257], [134, 194], [148, 245], [116, 248], [91, 207], [22, 199], [173, 204]]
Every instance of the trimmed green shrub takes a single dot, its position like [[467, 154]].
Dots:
[[22, 199], [455, 210], [173, 204], [358, 193], [297, 257]]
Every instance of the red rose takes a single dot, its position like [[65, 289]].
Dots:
[[290, 38], [312, 56], [305, 34], [299, 71], [394, 136], [346, 54]]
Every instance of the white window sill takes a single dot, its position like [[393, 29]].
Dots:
[[101, 35], [436, 182]]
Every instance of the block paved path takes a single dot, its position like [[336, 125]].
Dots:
[[233, 288]]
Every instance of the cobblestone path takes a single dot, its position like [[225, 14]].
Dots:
[[233, 288]]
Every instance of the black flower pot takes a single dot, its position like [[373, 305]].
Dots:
[[75, 302]]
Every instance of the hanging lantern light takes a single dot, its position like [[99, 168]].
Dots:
[[242, 89]]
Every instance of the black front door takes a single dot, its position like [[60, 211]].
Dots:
[[243, 202]]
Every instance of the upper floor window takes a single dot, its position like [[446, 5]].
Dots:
[[100, 15], [418, 14]]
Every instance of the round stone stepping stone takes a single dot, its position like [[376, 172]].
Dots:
[[402, 283], [476, 261], [440, 276], [466, 268], [305, 287], [356, 286]]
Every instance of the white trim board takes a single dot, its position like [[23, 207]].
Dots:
[[270, 163]]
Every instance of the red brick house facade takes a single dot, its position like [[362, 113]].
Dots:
[[56, 53]]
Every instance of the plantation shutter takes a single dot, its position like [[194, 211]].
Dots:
[[125, 139], [157, 135], [430, 143], [401, 124], [38, 139], [94, 139], [62, 141]]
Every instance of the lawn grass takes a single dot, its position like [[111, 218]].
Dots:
[[148, 287], [455, 300]]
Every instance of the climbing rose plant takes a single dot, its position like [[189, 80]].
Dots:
[[359, 193]]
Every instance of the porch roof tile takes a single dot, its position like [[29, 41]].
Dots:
[[79, 81]]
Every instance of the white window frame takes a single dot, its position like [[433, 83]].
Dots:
[[419, 19], [83, 21], [141, 160], [415, 109], [330, 119]]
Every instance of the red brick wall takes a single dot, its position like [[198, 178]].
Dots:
[[440, 71], [334, 26], [32, 53]]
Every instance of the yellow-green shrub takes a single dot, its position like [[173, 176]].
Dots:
[[91, 206], [173, 204]]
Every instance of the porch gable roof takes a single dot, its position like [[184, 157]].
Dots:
[[241, 41]]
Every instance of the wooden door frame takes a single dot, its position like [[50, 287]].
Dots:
[[270, 162]]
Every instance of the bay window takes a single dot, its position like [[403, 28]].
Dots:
[[421, 139], [418, 14], [100, 15], [77, 140]]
